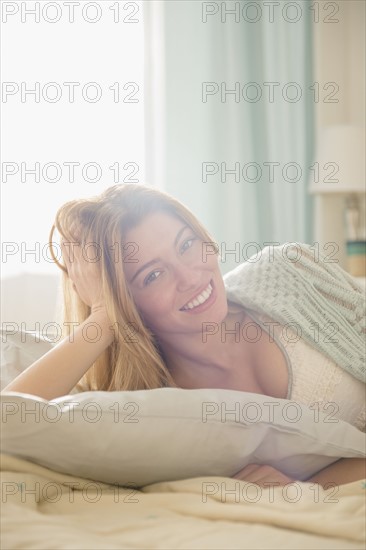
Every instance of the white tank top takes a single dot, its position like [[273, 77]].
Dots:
[[315, 380]]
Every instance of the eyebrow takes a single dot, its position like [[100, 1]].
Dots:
[[155, 260]]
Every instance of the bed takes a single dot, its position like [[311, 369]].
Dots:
[[171, 515], [44, 507]]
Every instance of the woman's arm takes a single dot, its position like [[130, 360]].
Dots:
[[343, 471], [59, 370]]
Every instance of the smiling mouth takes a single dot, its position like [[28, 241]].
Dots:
[[199, 299]]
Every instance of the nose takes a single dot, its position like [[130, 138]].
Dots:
[[187, 278]]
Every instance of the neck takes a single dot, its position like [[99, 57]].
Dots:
[[194, 357]]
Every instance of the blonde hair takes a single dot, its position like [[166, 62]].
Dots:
[[132, 363]]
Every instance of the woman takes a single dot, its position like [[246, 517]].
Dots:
[[142, 279]]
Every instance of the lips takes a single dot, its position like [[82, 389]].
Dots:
[[204, 294]]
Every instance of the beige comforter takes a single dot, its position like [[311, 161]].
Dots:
[[44, 509]]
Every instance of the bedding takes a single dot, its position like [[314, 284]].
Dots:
[[72, 486], [44, 509], [165, 434], [19, 349]]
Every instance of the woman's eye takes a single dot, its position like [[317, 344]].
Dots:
[[150, 278], [188, 242]]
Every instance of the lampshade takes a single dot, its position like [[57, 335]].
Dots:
[[342, 149]]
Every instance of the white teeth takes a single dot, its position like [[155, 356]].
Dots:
[[199, 299]]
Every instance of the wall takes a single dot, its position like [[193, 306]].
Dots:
[[339, 56], [31, 298]]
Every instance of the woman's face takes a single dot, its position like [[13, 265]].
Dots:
[[169, 270]]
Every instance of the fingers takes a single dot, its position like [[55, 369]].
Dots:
[[262, 474], [249, 469], [81, 261], [71, 254], [66, 254], [68, 250]]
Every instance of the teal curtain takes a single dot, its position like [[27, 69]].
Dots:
[[195, 135]]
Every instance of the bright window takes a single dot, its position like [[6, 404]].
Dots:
[[72, 114]]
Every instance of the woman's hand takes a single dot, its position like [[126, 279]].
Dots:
[[82, 263], [262, 475]]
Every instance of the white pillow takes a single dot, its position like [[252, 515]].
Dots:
[[18, 351], [147, 436]]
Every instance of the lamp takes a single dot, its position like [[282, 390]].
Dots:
[[340, 162], [339, 169]]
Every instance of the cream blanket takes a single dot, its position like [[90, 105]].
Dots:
[[44, 509]]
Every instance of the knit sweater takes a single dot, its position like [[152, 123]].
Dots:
[[292, 285]]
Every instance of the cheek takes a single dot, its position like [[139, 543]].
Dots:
[[213, 264], [154, 303]]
